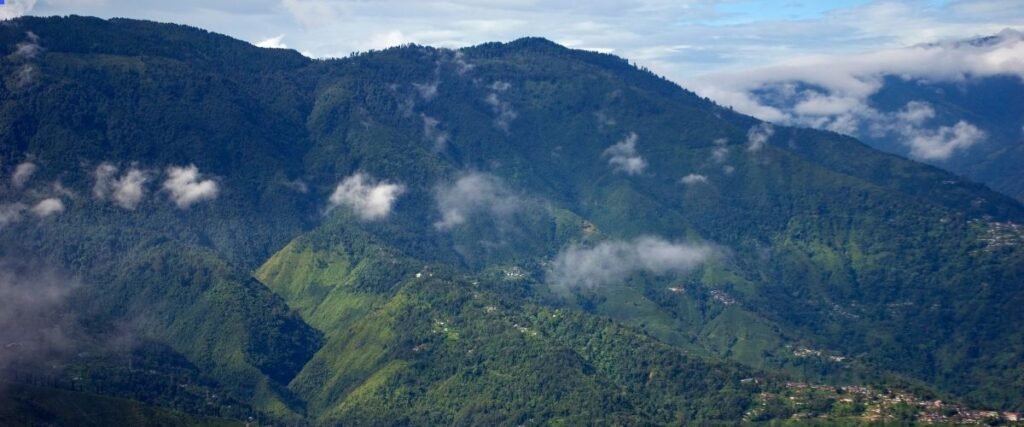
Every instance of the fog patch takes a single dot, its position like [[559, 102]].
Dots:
[[473, 194], [35, 321]]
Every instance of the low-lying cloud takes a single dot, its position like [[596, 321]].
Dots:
[[47, 207], [609, 262], [944, 141], [693, 179], [187, 187], [126, 191], [22, 173], [473, 194], [369, 199], [35, 324], [623, 156]]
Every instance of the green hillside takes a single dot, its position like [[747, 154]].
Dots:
[[523, 234]]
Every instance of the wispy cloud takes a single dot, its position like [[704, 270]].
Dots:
[[721, 151], [474, 193], [432, 132], [369, 199], [623, 156], [11, 213], [758, 135], [22, 173], [610, 262], [427, 91], [187, 187], [504, 113]]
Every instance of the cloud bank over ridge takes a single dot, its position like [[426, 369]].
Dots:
[[833, 92]]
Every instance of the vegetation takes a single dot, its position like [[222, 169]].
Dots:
[[837, 264]]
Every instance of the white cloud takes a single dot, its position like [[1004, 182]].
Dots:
[[186, 186], [370, 200], [623, 156], [758, 136], [472, 194], [940, 144], [916, 112], [130, 188], [126, 191], [613, 261], [47, 207], [273, 43], [22, 173], [693, 178]]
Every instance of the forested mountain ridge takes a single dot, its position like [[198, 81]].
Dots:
[[512, 232]]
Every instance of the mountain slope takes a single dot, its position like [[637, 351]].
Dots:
[[522, 232]]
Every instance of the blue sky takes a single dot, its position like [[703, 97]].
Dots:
[[685, 40]]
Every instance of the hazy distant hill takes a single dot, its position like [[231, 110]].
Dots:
[[509, 233]]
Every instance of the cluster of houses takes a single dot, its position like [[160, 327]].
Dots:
[[877, 405]]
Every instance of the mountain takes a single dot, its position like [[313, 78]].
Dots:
[[509, 233]]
